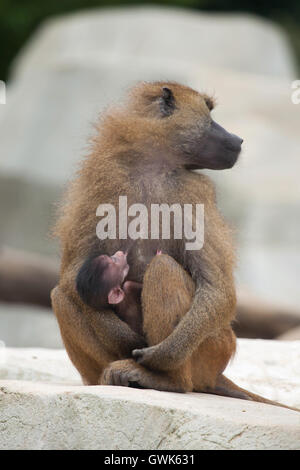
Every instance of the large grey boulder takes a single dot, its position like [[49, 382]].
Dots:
[[162, 35], [75, 65], [44, 406], [43, 416]]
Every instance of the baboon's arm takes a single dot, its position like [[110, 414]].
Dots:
[[114, 334], [105, 330]]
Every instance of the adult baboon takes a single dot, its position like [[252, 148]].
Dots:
[[145, 150]]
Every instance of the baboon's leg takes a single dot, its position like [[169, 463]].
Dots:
[[167, 295], [82, 346], [211, 358]]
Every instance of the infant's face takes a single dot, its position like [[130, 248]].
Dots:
[[116, 267]]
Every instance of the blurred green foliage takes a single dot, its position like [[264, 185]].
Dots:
[[19, 18]]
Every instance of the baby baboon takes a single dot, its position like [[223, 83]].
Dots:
[[101, 282], [145, 150]]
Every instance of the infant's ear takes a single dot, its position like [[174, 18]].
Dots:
[[115, 295]]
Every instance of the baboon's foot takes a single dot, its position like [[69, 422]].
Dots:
[[124, 373], [127, 373]]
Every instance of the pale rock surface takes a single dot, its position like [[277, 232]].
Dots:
[[38, 365], [43, 406], [269, 368], [44, 416]]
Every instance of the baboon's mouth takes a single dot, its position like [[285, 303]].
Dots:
[[225, 161], [193, 167]]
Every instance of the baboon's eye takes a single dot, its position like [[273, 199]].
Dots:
[[210, 102], [167, 102]]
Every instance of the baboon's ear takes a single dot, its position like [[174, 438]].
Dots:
[[210, 102], [167, 102]]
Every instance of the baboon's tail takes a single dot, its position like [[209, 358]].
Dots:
[[227, 388]]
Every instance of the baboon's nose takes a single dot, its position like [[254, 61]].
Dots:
[[236, 141]]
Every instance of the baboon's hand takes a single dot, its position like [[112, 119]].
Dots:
[[144, 356], [154, 358]]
